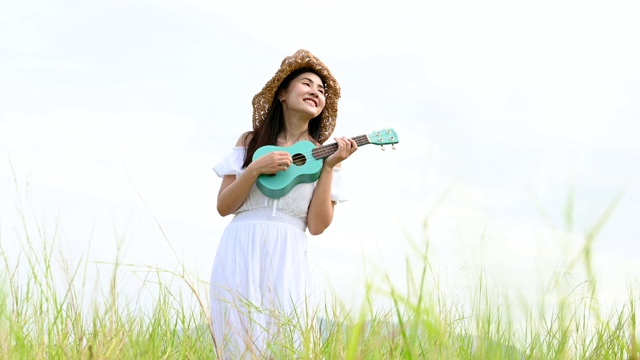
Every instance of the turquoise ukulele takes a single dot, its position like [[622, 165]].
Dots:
[[307, 161]]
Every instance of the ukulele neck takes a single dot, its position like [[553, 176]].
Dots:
[[324, 151]]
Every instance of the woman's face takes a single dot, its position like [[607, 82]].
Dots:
[[305, 94]]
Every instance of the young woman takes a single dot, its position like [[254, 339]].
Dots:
[[260, 278]]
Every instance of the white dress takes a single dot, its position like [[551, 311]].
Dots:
[[261, 274]]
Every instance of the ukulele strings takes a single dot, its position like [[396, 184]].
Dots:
[[324, 149]]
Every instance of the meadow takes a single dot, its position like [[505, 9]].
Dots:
[[53, 308]]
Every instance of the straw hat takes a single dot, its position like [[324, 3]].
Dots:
[[301, 59]]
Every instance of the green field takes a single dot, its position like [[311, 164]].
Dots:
[[52, 308]]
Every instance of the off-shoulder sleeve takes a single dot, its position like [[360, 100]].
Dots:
[[338, 188], [231, 164]]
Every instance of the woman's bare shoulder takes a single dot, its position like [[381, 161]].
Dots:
[[244, 139]]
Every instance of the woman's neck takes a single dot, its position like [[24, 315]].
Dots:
[[295, 130], [290, 137]]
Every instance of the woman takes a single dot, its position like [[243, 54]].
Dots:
[[260, 278]]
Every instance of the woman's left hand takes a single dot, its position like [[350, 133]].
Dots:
[[346, 147]]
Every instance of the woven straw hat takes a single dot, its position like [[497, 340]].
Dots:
[[301, 59]]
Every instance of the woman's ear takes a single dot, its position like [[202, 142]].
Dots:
[[281, 95]]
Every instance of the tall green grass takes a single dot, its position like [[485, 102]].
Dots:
[[53, 308]]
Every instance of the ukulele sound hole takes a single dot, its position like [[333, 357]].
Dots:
[[299, 159]]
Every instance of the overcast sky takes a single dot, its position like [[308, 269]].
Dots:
[[112, 114]]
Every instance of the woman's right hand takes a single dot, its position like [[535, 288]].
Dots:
[[271, 163]]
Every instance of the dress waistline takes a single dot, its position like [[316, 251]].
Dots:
[[267, 215]]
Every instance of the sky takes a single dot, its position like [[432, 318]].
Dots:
[[112, 114]]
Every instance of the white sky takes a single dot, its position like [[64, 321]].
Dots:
[[499, 103]]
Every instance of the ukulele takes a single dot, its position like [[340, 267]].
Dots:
[[307, 161]]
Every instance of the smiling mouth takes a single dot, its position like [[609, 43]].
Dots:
[[310, 101]]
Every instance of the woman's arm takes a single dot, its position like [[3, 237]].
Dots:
[[235, 189], [320, 214]]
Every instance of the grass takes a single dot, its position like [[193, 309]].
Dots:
[[51, 308]]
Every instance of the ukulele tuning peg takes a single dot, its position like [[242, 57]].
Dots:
[[382, 148], [393, 146]]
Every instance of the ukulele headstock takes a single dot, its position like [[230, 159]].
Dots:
[[384, 137]]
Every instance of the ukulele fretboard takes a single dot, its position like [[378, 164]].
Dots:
[[325, 151]]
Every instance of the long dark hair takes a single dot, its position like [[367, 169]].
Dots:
[[273, 125]]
